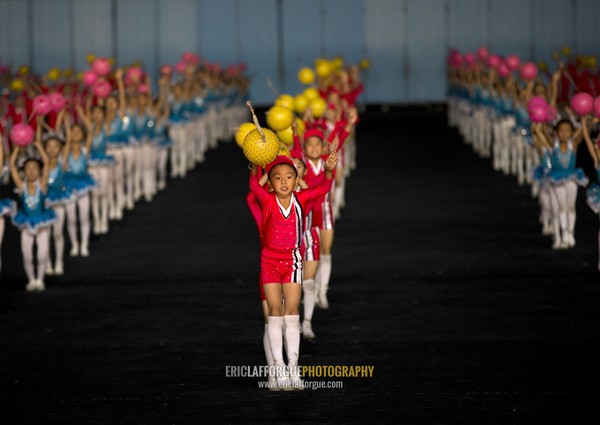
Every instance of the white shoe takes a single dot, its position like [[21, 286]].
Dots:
[[295, 380], [129, 204], [97, 227], [84, 250], [31, 286], [49, 269], [74, 250], [272, 382], [40, 286], [307, 331], [119, 214], [282, 378], [161, 185], [104, 228], [321, 298], [58, 269]]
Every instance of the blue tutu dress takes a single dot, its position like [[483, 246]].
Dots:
[[98, 156], [593, 194], [58, 193], [32, 214], [118, 129], [161, 135], [143, 128], [563, 167], [77, 178], [541, 172]]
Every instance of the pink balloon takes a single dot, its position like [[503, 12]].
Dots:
[[101, 66], [538, 113], [42, 104], [102, 89], [58, 101], [21, 134], [493, 61], [166, 69], [181, 67], [529, 71], [503, 70], [89, 78], [194, 60], [483, 52], [537, 100], [187, 56], [597, 106], [143, 88], [513, 62], [582, 103], [134, 74], [469, 58]]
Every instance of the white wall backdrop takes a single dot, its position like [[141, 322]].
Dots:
[[405, 40]]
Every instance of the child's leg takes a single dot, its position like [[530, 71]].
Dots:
[[72, 227], [43, 244], [129, 175], [27, 241], [84, 222], [557, 216], [162, 167], [59, 240], [324, 273], [571, 194], [292, 293]]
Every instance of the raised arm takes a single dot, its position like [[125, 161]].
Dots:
[[121, 90], [14, 172], [44, 171], [588, 140]]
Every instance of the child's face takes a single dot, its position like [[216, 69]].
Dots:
[[564, 132], [32, 171], [313, 147], [76, 134], [283, 179], [98, 115], [300, 167], [540, 90], [53, 147], [111, 104]]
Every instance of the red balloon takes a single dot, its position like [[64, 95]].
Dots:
[[582, 103], [493, 61], [483, 52], [134, 75], [513, 62], [101, 66], [537, 100], [21, 134], [89, 78], [503, 70], [42, 104], [166, 69], [181, 67], [102, 89], [529, 71], [538, 113], [57, 100]]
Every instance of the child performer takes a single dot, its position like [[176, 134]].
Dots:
[[593, 190], [564, 178], [283, 213], [32, 218], [58, 197], [78, 180], [7, 206]]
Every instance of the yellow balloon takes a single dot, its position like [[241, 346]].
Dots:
[[112, 61], [137, 63], [300, 103], [555, 56], [90, 57], [306, 75], [592, 61], [286, 136], [259, 151], [542, 66], [285, 100], [300, 127], [318, 106], [79, 75], [566, 50], [324, 69], [68, 72], [279, 118], [364, 63], [283, 150], [54, 74], [24, 69], [242, 131], [311, 93], [338, 63], [17, 84]]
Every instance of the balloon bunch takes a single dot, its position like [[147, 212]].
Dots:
[[505, 66]]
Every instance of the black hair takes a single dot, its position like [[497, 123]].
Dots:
[[32, 159], [564, 121], [56, 137]]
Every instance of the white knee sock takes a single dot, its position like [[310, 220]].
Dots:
[[324, 271], [274, 328], [308, 287], [267, 347], [83, 204], [43, 243], [571, 192], [27, 251], [292, 337], [57, 234]]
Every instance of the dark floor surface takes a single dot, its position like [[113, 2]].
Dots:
[[441, 280]]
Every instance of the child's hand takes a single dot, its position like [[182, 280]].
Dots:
[[331, 162], [352, 116], [119, 73]]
